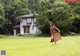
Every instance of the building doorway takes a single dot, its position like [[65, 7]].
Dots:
[[26, 29]]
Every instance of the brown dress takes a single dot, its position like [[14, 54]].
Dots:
[[56, 35]]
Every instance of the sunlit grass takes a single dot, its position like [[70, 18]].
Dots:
[[33, 46]]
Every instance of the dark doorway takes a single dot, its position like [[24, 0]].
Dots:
[[26, 29]]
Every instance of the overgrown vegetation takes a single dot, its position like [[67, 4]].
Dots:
[[61, 13], [66, 16]]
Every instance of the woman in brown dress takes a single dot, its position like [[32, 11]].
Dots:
[[55, 35]]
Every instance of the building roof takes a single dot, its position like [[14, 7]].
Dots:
[[28, 15], [17, 26]]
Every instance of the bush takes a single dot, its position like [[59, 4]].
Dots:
[[2, 36]]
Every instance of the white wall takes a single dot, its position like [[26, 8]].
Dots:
[[15, 33], [23, 22], [29, 20], [33, 29]]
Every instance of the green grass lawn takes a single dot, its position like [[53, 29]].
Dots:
[[29, 46]]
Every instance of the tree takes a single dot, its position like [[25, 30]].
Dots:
[[43, 8], [62, 16], [2, 14], [76, 23], [59, 13], [13, 9]]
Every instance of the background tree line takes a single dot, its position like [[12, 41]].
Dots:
[[66, 16]]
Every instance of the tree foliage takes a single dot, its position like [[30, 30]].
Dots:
[[2, 14], [76, 23], [62, 17], [66, 16], [13, 9], [57, 12]]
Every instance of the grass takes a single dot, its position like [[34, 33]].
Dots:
[[33, 46]]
